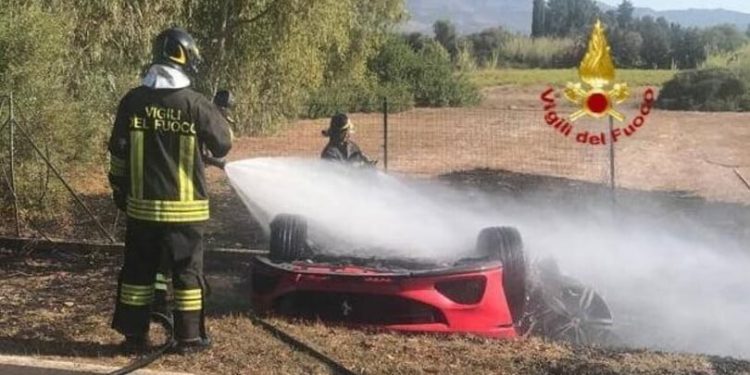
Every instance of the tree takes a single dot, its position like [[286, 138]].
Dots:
[[487, 44], [428, 73], [609, 18], [417, 40], [655, 50], [282, 50], [445, 34], [626, 47], [724, 38], [688, 51], [570, 17], [538, 19], [625, 14]]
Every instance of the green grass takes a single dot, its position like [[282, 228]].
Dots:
[[558, 77]]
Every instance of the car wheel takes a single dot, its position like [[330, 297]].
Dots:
[[288, 238], [505, 244], [561, 308]]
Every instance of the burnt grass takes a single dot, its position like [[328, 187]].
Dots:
[[681, 207], [57, 304]]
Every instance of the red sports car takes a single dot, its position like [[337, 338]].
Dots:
[[489, 295]]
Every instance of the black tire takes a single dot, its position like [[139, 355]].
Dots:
[[505, 244], [563, 309], [288, 238]]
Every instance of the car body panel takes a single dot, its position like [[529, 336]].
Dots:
[[394, 299]]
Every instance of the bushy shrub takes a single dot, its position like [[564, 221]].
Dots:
[[428, 72], [713, 90], [525, 52], [406, 77]]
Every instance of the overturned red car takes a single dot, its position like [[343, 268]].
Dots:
[[490, 294]]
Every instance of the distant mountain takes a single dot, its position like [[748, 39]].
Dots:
[[695, 17], [470, 15], [515, 15]]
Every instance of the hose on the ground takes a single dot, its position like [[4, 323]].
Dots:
[[146, 360]]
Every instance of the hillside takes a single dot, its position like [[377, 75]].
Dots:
[[475, 15]]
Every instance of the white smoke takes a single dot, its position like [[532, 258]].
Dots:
[[670, 287]]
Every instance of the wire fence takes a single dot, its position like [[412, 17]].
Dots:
[[439, 141], [514, 149]]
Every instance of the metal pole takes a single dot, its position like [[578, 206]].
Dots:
[[385, 134], [612, 172], [12, 131], [65, 183]]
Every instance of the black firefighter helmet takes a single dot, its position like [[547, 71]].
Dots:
[[176, 48], [339, 125]]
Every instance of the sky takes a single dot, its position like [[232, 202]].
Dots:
[[738, 5]]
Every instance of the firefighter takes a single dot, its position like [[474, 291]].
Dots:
[[224, 100], [340, 146], [157, 178]]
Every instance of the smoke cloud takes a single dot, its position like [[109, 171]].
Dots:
[[673, 286]]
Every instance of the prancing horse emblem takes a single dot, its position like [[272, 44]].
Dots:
[[346, 308]]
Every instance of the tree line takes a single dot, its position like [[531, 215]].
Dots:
[[636, 42], [560, 31]]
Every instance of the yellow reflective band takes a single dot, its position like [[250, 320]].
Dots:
[[160, 286], [136, 164], [136, 287], [168, 211], [188, 306], [191, 298], [136, 300], [137, 294], [162, 278], [167, 217], [116, 161], [188, 293], [185, 170], [117, 166], [177, 206], [188, 299]]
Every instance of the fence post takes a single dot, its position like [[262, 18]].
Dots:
[[385, 134], [11, 144]]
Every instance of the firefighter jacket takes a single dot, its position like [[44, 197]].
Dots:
[[346, 151], [156, 172]]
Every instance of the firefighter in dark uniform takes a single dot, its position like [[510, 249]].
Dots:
[[340, 146], [157, 178]]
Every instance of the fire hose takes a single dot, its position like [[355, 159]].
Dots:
[[296, 344], [146, 360], [336, 367]]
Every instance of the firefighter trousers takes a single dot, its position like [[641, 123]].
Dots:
[[147, 247]]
